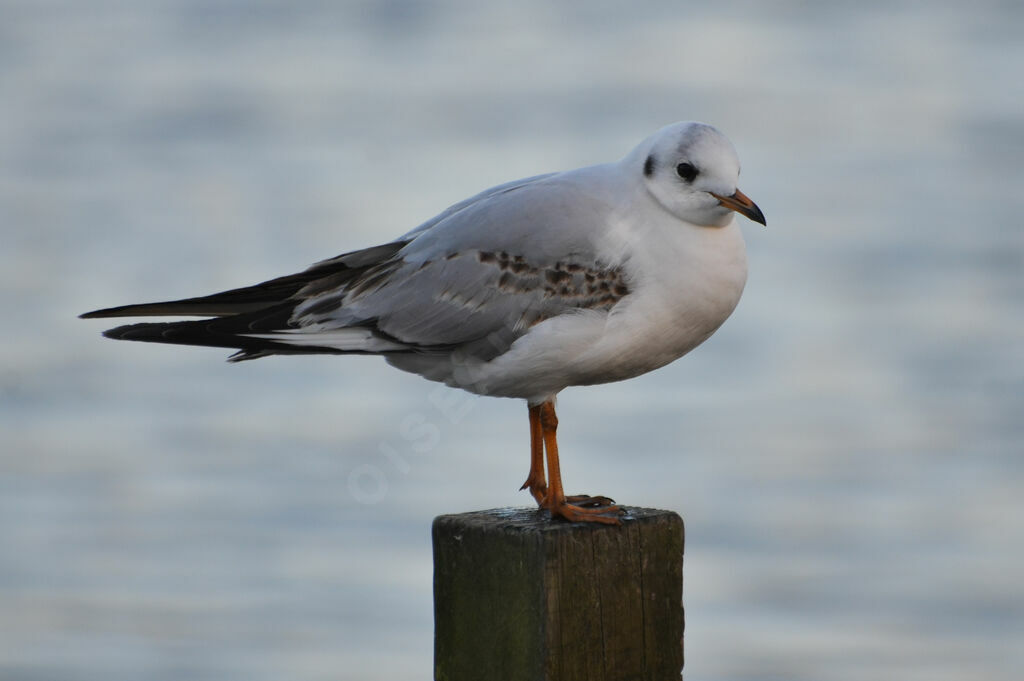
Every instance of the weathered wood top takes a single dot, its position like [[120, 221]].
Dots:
[[518, 595], [535, 520]]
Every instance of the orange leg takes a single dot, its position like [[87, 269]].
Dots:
[[535, 480], [555, 500]]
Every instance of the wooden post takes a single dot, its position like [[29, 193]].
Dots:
[[518, 596]]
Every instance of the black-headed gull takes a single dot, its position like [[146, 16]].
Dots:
[[574, 278]]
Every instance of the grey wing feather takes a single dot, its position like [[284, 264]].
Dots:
[[496, 264], [476, 199], [475, 277]]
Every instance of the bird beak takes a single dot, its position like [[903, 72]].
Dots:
[[742, 204]]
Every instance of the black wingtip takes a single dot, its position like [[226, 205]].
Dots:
[[120, 311], [183, 308], [129, 332]]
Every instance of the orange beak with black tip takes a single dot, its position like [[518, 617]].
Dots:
[[742, 204]]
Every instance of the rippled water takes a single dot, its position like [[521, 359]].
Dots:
[[846, 451]]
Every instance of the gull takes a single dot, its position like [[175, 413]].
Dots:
[[571, 278]]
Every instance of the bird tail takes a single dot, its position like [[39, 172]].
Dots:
[[256, 320], [230, 331]]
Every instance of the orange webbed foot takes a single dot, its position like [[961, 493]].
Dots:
[[587, 501], [608, 515]]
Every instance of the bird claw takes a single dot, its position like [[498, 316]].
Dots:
[[587, 501], [608, 515], [539, 490]]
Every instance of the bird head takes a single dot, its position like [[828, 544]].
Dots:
[[692, 170]]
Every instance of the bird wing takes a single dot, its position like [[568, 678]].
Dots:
[[492, 265]]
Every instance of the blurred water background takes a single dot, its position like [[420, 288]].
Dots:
[[846, 451]]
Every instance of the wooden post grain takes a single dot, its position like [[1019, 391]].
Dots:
[[518, 596]]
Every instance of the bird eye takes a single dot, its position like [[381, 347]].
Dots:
[[686, 171]]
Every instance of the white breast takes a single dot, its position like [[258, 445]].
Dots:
[[685, 282]]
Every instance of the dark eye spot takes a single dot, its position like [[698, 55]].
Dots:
[[649, 166], [686, 171]]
